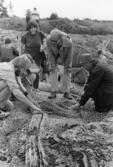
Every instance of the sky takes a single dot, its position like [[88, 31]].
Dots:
[[80, 9]]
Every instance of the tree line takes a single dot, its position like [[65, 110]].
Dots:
[[77, 26]]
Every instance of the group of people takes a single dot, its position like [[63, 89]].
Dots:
[[99, 85], [59, 50]]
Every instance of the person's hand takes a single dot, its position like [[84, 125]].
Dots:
[[37, 110], [76, 107], [25, 93], [42, 48]]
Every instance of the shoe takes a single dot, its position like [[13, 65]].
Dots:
[[52, 96], [67, 96]]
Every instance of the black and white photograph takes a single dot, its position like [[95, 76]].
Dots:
[[56, 83]]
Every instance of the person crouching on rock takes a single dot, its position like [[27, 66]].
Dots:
[[99, 85], [9, 83]]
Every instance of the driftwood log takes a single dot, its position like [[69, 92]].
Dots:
[[59, 109], [35, 156]]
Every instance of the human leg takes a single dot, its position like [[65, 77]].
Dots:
[[68, 58], [53, 79], [36, 81], [66, 84], [35, 70]]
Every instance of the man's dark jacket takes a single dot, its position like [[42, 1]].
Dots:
[[99, 87]]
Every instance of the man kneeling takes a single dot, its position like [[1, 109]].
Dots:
[[99, 86]]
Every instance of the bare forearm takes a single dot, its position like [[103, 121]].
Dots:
[[21, 85], [20, 96]]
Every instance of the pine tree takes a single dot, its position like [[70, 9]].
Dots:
[[3, 10]]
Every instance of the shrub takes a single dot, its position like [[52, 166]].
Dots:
[[17, 23], [53, 16]]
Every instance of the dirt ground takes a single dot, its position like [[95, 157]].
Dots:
[[81, 140], [69, 139]]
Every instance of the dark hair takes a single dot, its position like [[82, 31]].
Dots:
[[7, 41], [32, 24]]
